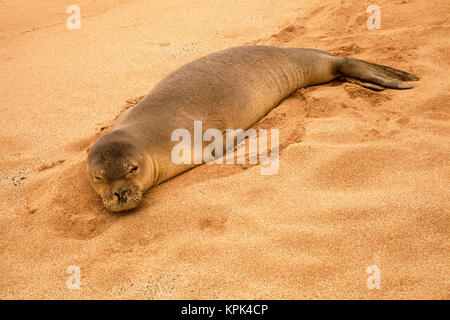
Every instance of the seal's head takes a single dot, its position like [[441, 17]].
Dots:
[[119, 173]]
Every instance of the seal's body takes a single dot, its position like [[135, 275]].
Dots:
[[230, 89]]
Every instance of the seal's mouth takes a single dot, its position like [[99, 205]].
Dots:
[[118, 205]]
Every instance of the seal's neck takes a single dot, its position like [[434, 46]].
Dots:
[[152, 171]]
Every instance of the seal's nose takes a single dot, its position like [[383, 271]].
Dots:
[[122, 195]]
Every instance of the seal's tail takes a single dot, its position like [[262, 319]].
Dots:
[[374, 76]]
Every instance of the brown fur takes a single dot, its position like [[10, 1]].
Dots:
[[230, 89]]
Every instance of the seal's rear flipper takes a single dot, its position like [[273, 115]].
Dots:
[[367, 85], [374, 76]]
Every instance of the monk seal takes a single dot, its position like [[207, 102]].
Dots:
[[233, 89]]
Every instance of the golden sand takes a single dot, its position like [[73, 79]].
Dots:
[[364, 176]]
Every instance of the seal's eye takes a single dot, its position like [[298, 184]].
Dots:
[[133, 169]]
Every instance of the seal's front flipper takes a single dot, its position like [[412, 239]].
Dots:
[[375, 74]]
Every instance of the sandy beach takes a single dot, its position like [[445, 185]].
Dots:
[[364, 176]]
